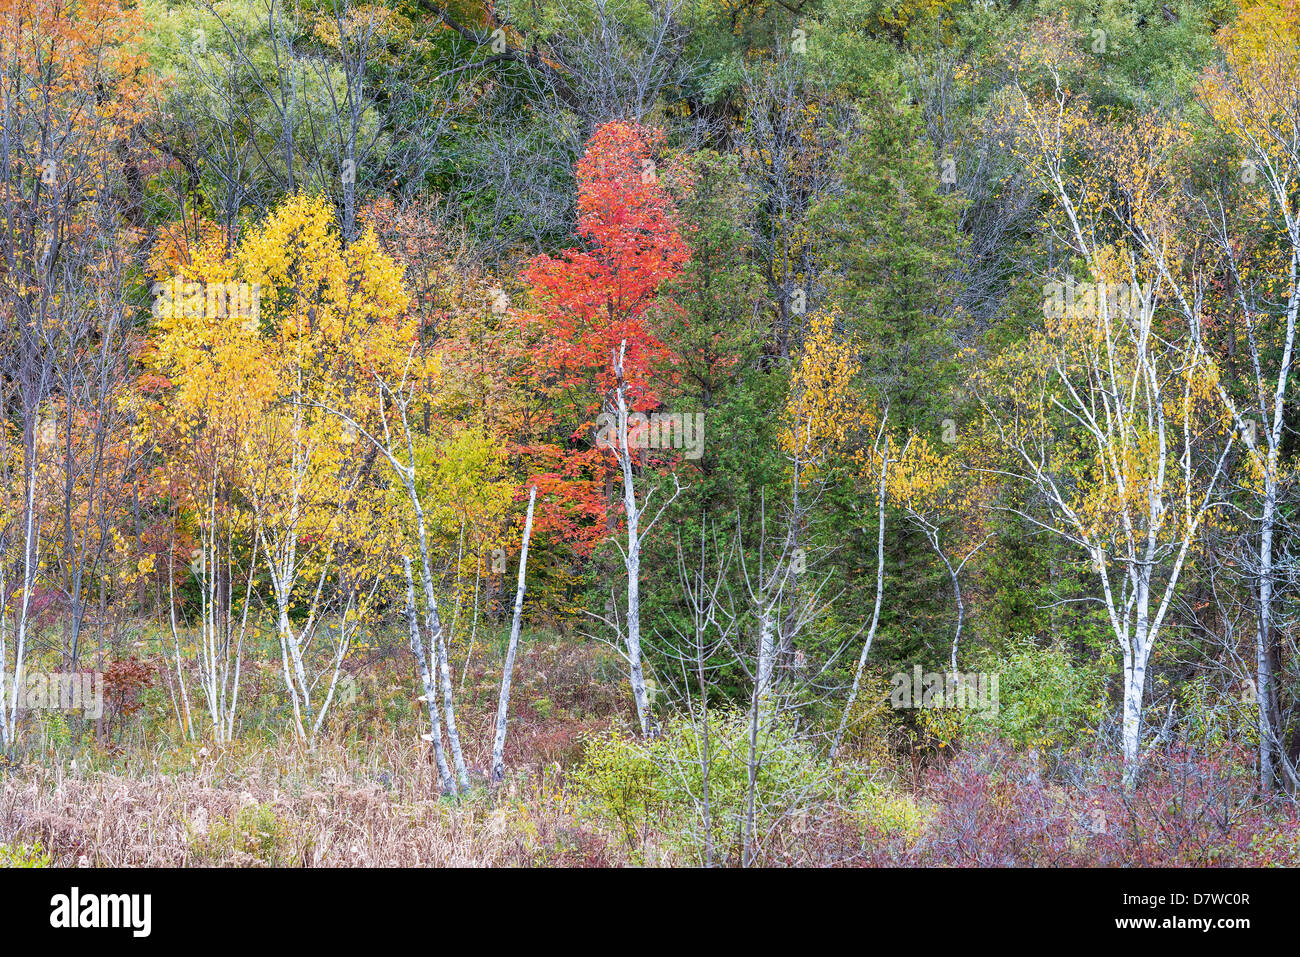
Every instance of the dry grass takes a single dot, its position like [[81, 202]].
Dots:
[[285, 805], [365, 797]]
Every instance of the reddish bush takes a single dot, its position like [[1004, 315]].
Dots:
[[999, 808], [124, 682]]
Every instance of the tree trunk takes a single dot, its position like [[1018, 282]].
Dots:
[[503, 702], [426, 680], [633, 562], [1264, 691], [880, 591]]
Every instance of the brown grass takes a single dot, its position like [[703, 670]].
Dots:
[[290, 806]]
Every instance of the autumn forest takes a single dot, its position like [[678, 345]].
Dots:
[[649, 433]]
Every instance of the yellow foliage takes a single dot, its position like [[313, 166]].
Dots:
[[825, 409]]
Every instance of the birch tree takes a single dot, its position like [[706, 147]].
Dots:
[[698, 652], [69, 93], [220, 630], [1112, 377], [1109, 424], [827, 417], [636, 504], [503, 701], [396, 390], [928, 488], [1253, 96]]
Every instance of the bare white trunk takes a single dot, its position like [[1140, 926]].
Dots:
[[1265, 694], [427, 682], [503, 702], [961, 610], [437, 642], [184, 714], [1136, 653], [1134, 688], [219, 643], [880, 591], [631, 558], [31, 547], [766, 652]]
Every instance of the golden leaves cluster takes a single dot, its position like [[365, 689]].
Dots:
[[825, 410]]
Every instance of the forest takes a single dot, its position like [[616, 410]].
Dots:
[[653, 433]]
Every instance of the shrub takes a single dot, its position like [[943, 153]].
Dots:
[[1215, 718], [634, 784], [618, 779], [24, 855], [996, 808], [55, 733], [1045, 700], [125, 682], [872, 724], [888, 813], [254, 835]]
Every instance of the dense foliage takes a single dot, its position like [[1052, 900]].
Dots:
[[905, 388]]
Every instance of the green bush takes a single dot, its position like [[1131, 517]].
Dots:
[[544, 708], [255, 834], [872, 723], [618, 781], [1045, 700], [891, 813], [55, 732], [24, 855], [636, 786]]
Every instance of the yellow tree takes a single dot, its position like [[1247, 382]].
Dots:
[[206, 389], [245, 348], [933, 489], [385, 391], [1114, 427], [1254, 97], [1106, 413], [324, 311], [827, 417]]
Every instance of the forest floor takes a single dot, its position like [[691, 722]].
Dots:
[[367, 794]]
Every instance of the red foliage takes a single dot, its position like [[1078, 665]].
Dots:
[[125, 680], [589, 300], [586, 302], [997, 808], [1000, 808]]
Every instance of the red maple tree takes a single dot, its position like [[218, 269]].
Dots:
[[587, 302]]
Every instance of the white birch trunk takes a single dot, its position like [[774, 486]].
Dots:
[[426, 680], [766, 652], [1265, 694], [503, 702], [880, 591], [437, 643], [31, 546], [631, 557]]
